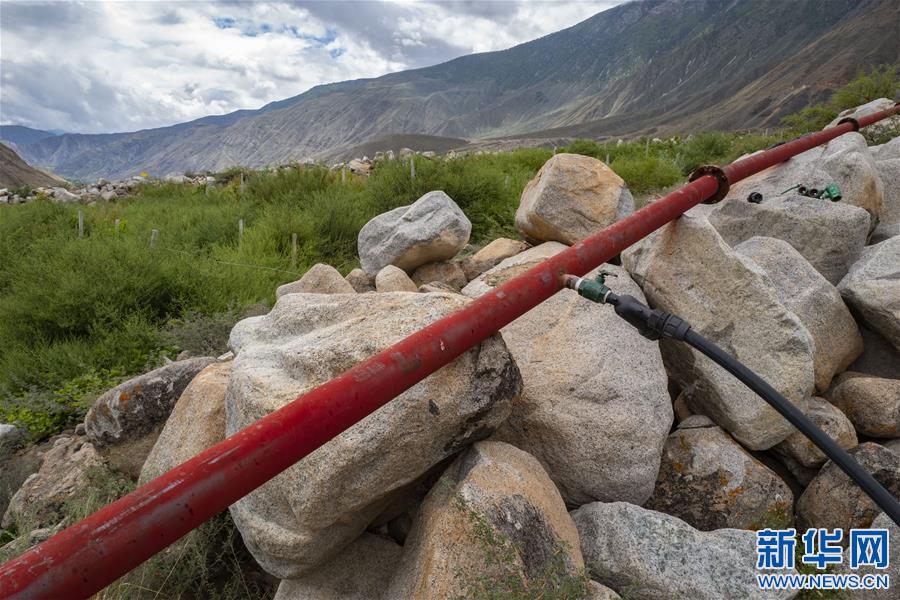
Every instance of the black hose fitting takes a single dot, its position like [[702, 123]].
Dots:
[[653, 324]]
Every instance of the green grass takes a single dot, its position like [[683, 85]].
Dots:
[[78, 314], [210, 562]]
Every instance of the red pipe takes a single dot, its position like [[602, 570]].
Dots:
[[89, 555]]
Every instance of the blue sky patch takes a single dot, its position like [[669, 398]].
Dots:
[[224, 22]]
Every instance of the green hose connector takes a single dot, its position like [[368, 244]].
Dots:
[[832, 192], [594, 290]]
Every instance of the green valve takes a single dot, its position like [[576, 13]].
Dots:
[[594, 289], [832, 192]]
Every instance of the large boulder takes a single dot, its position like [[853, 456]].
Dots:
[[871, 403], [571, 197], [196, 423], [816, 303], [873, 288], [889, 171], [710, 482], [832, 500], [646, 555], [832, 421], [360, 572], [491, 255], [320, 279], [595, 414], [432, 228], [887, 151], [311, 511], [125, 421], [848, 160], [64, 472], [494, 525], [688, 270], [802, 222]]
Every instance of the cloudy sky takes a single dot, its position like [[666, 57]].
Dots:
[[98, 66]]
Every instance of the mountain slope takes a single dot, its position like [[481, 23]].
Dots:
[[15, 172], [17, 134], [653, 65]]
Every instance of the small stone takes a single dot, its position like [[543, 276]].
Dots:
[[492, 255], [63, 473], [710, 482], [830, 420], [447, 272], [360, 281], [394, 279], [832, 500], [871, 403], [319, 279]]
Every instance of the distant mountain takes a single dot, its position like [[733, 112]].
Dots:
[[17, 134], [650, 66], [15, 172]]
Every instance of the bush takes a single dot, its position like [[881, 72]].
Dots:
[[882, 81], [647, 174]]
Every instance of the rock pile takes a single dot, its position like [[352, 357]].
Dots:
[[545, 457]]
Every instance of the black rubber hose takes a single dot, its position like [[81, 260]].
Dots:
[[795, 416]]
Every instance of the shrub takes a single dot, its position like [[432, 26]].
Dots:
[[882, 81], [647, 174]]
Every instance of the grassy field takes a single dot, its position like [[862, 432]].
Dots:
[[79, 313]]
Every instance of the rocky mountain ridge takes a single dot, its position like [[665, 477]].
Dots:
[[640, 67]]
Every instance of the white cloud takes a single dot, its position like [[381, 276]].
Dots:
[[116, 66]]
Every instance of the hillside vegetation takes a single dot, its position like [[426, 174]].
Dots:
[[77, 314]]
